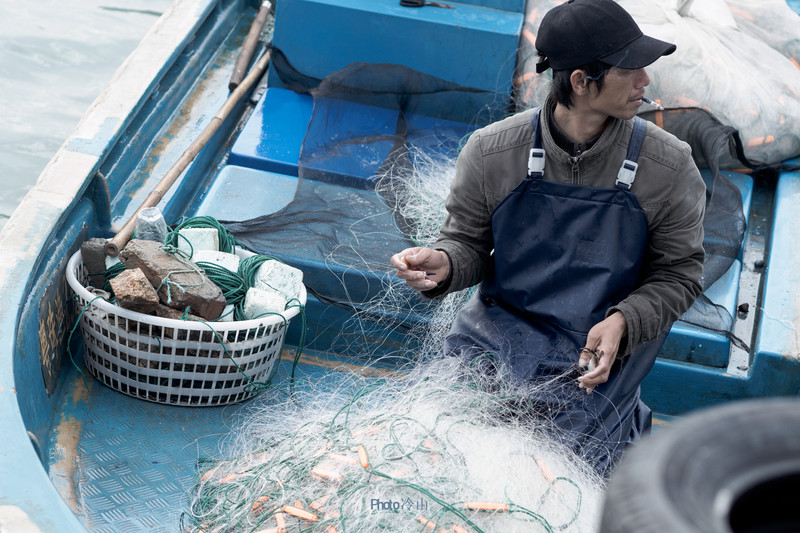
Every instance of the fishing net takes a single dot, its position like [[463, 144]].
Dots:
[[724, 224], [429, 448]]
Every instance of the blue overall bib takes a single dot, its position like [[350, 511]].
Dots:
[[563, 255]]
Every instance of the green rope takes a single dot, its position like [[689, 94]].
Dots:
[[69, 338], [227, 242], [231, 283], [191, 268], [248, 267]]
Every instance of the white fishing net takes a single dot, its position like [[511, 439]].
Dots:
[[427, 450]]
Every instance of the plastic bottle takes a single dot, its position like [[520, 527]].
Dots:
[[150, 225]]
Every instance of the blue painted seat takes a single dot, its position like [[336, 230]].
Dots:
[[232, 197], [273, 135], [272, 138]]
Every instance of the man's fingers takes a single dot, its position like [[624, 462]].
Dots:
[[599, 371], [421, 284], [400, 260], [589, 357]]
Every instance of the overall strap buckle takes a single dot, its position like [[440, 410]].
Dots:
[[537, 156], [627, 172], [536, 163]]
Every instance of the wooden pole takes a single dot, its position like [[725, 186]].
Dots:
[[250, 44], [122, 237]]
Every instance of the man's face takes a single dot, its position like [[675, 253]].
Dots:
[[621, 95]]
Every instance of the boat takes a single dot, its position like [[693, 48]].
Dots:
[[81, 455]]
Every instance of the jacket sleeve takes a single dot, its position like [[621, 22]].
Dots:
[[466, 235], [672, 276]]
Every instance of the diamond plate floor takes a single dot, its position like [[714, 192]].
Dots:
[[127, 465]]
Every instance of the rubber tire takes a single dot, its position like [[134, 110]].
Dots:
[[700, 473]]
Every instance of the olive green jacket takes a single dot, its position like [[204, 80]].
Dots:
[[668, 186]]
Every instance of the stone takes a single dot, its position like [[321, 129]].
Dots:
[[134, 291], [93, 253], [164, 311], [179, 282]]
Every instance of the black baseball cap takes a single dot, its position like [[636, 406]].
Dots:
[[578, 32]]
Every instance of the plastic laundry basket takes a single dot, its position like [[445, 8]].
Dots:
[[176, 362]]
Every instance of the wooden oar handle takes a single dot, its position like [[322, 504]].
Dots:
[[249, 47], [122, 237]]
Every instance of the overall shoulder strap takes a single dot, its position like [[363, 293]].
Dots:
[[627, 172], [536, 157]]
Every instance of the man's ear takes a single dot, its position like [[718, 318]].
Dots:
[[580, 82]]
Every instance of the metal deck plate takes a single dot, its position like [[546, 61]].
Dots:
[[126, 465]]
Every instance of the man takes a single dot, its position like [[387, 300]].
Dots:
[[583, 226]]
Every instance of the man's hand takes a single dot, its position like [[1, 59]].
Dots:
[[603, 339], [422, 268]]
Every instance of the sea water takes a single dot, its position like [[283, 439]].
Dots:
[[56, 57]]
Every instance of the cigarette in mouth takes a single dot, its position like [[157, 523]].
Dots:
[[652, 103]]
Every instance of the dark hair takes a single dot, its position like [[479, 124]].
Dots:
[[561, 88]]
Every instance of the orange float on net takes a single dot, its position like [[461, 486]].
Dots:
[[545, 471], [368, 431], [229, 478], [208, 474], [316, 504], [427, 523], [486, 506], [300, 513], [258, 504], [342, 458], [362, 457], [323, 449], [758, 141], [326, 472]]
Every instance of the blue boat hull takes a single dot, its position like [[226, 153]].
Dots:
[[80, 456]]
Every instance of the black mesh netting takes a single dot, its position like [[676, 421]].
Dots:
[[715, 146], [353, 231]]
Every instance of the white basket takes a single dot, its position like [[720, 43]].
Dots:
[[176, 362]]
